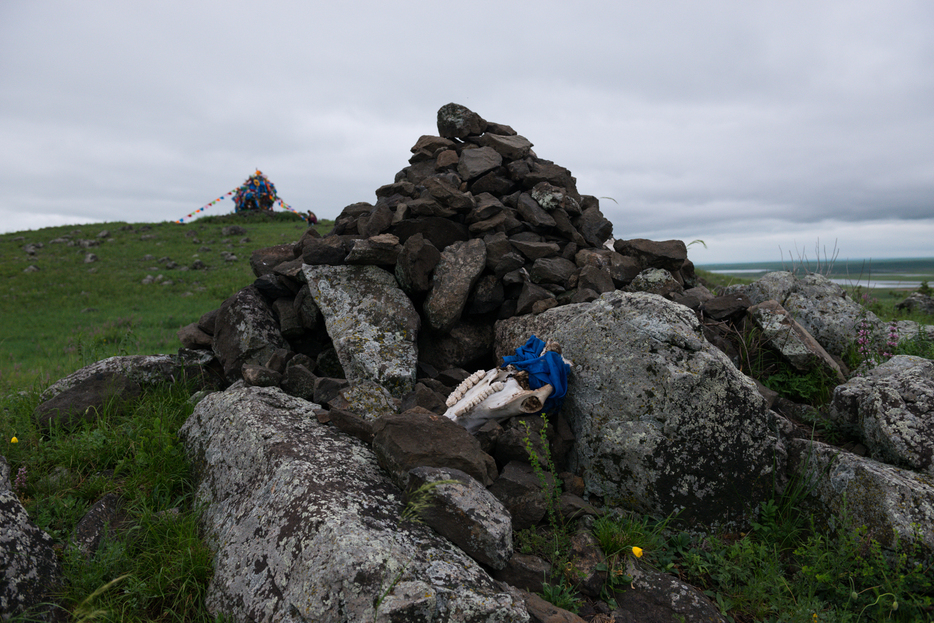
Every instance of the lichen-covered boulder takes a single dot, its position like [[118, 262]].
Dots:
[[373, 324], [892, 407], [789, 338], [826, 312], [663, 420], [888, 500], [143, 369], [29, 568], [306, 527]]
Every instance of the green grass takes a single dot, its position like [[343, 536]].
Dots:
[[155, 568], [71, 313]]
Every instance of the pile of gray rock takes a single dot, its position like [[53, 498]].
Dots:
[[334, 489]]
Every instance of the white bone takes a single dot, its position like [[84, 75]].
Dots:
[[497, 395]]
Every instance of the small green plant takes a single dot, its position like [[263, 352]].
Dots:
[[419, 500], [925, 289], [544, 469], [562, 595]]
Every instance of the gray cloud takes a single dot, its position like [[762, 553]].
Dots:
[[744, 124]]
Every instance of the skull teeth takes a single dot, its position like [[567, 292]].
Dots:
[[473, 402], [465, 385]]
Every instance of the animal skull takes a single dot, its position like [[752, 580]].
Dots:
[[496, 394]]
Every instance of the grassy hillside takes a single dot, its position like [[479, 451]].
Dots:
[[72, 311]]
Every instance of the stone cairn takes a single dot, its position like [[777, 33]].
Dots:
[[477, 228]]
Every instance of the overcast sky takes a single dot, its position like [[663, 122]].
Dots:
[[754, 126]]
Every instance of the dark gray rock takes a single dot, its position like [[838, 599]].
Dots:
[[264, 261], [245, 332], [461, 509], [511, 147], [522, 493], [416, 264], [456, 121], [380, 249], [419, 438], [454, 276], [85, 400], [475, 162]]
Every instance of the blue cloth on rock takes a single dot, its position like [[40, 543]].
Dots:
[[548, 369]]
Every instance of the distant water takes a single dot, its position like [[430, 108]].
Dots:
[[905, 273]]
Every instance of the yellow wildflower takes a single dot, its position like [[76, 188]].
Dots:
[[637, 552], [14, 440]]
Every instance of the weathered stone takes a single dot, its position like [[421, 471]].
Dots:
[[917, 303], [486, 296], [533, 213], [456, 273], [191, 336], [693, 298], [406, 189], [377, 222], [596, 279], [464, 512], [143, 369], [260, 376], [552, 270], [444, 189], [456, 121], [85, 401], [886, 499], [775, 286], [790, 339], [441, 232], [594, 227], [290, 323], [308, 312], [530, 295], [30, 573], [305, 526], [420, 438], [468, 341], [655, 596], [521, 492], [892, 407], [656, 281], [726, 306], [367, 399], [264, 261], [588, 563], [382, 249], [535, 250], [524, 571], [329, 250], [512, 147], [662, 418], [426, 398], [327, 388], [428, 146], [416, 264], [272, 286], [668, 254], [475, 162], [245, 332], [372, 323], [299, 381], [105, 515]]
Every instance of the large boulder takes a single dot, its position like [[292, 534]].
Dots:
[[306, 527], [892, 408], [456, 273], [826, 312], [664, 422], [29, 568], [888, 500], [373, 324], [789, 338]]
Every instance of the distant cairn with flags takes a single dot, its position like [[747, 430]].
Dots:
[[256, 193]]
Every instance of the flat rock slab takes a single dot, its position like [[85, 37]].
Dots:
[[306, 527], [373, 324]]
